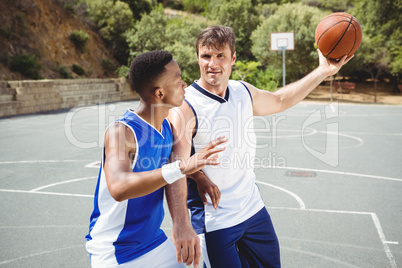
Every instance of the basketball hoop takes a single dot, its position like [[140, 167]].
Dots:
[[282, 42]]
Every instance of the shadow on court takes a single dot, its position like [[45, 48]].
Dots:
[[330, 176]]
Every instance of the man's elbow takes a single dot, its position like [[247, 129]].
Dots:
[[116, 192], [117, 195]]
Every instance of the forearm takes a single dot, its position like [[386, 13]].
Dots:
[[176, 195], [295, 92], [127, 185]]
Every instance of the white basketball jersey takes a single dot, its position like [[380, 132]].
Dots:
[[231, 116]]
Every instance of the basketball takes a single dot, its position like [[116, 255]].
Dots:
[[337, 35]]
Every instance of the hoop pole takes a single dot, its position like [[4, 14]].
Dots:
[[284, 65]]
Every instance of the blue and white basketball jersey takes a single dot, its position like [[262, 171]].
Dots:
[[122, 231], [231, 116]]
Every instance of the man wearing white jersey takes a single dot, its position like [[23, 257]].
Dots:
[[227, 211], [125, 228]]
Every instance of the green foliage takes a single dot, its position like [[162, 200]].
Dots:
[[79, 39], [78, 69], [267, 10], [183, 48], [195, 6], [123, 71], [251, 73], [178, 35], [112, 19], [65, 72], [139, 7], [330, 5], [27, 65], [245, 70], [242, 16], [381, 23], [297, 18], [149, 33], [185, 56]]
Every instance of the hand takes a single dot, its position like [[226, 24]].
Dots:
[[332, 66], [206, 186], [206, 156], [187, 245]]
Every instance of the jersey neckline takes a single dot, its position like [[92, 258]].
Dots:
[[210, 94]]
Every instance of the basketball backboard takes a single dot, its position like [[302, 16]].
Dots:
[[280, 40]]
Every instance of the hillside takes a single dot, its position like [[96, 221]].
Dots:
[[43, 28]]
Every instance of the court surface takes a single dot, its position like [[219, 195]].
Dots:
[[330, 176]]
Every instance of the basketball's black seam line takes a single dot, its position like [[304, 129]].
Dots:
[[350, 22], [354, 42], [329, 29]]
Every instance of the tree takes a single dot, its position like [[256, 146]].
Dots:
[[381, 23], [195, 6], [332, 5], [251, 72], [148, 34], [177, 35], [182, 33], [139, 7], [113, 19], [242, 16], [297, 18]]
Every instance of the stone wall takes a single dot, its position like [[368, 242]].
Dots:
[[26, 97]]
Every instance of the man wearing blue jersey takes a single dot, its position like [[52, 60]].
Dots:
[[227, 211], [125, 228]]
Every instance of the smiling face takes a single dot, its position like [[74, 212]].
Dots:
[[215, 67]]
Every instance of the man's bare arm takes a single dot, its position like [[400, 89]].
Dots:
[[184, 237], [265, 102]]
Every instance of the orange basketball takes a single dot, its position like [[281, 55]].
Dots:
[[337, 35]]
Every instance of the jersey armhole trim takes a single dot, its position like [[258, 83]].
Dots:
[[247, 91], [136, 143], [196, 118]]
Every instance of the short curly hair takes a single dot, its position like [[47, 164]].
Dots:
[[147, 68]]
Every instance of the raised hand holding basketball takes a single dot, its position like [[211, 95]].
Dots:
[[332, 66], [337, 35]]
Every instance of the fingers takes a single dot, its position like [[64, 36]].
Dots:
[[197, 255], [212, 154], [190, 252], [190, 256], [346, 60], [214, 194], [212, 144], [215, 197], [178, 253], [203, 198]]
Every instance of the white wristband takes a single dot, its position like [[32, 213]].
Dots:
[[171, 172]]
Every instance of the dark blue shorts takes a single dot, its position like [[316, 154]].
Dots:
[[252, 243]]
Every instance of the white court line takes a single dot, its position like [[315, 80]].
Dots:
[[373, 217], [40, 161], [337, 172], [40, 253], [95, 164], [45, 193], [42, 226], [298, 199], [345, 135], [346, 264], [375, 134], [62, 182]]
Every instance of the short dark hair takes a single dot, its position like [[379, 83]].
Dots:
[[146, 68], [217, 37]]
